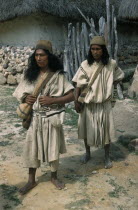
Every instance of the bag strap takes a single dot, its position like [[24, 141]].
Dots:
[[93, 78], [95, 75], [42, 82]]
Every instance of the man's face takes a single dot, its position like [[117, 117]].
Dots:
[[41, 58], [96, 51]]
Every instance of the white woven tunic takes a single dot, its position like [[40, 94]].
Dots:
[[96, 120], [45, 137]]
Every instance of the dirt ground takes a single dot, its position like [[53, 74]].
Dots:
[[88, 186]]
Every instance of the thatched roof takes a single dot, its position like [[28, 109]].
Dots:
[[10, 9], [128, 10]]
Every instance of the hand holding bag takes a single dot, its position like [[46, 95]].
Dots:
[[24, 110]]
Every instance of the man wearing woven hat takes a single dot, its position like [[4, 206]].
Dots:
[[94, 86], [45, 138]]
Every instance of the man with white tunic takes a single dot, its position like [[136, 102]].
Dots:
[[45, 138], [94, 82]]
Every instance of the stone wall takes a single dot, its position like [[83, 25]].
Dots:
[[128, 45], [14, 60], [128, 55]]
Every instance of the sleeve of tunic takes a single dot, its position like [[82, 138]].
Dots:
[[80, 78], [60, 86], [118, 73], [22, 89], [67, 85]]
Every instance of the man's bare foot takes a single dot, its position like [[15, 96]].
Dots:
[[27, 188], [108, 163], [59, 185], [85, 158]]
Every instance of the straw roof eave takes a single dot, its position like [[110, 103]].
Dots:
[[64, 9]]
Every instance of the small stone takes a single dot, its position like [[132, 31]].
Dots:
[[1, 68], [7, 61], [133, 90], [94, 172], [1, 52], [22, 64], [25, 48], [28, 53], [6, 74], [9, 69], [133, 145], [5, 50], [23, 59], [11, 80], [2, 79], [126, 164], [13, 71], [17, 61], [18, 78], [26, 62], [19, 69], [32, 48], [5, 66]]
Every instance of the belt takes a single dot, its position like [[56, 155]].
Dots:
[[53, 107]]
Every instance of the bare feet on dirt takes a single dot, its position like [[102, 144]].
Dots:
[[58, 184], [108, 163], [27, 188], [85, 158]]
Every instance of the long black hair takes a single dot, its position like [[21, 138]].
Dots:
[[33, 70], [104, 57]]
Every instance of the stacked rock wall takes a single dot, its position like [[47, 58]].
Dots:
[[13, 61], [128, 55]]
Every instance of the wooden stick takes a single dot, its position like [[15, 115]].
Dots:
[[112, 32], [108, 26], [116, 41], [78, 42], [74, 49], [66, 63], [82, 44], [87, 21], [86, 42], [70, 57], [101, 26], [119, 91]]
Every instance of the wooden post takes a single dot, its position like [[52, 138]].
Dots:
[[108, 26], [78, 42], [70, 56], [112, 33], [82, 43], [101, 26], [86, 41], [116, 41], [119, 89], [74, 49], [66, 63], [88, 22]]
